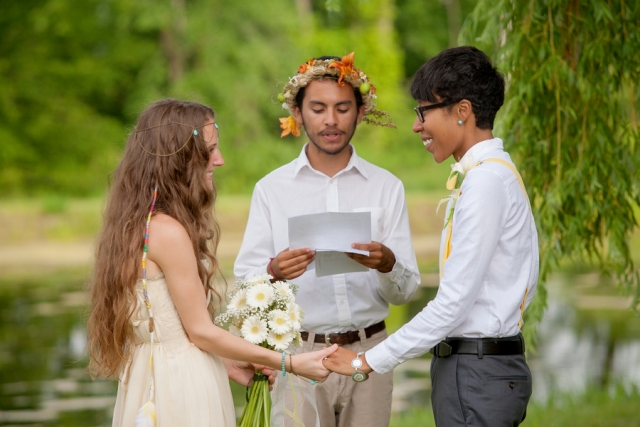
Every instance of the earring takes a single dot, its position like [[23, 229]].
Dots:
[[459, 122]]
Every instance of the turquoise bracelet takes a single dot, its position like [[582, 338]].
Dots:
[[283, 371]]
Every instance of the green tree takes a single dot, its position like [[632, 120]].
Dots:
[[426, 28], [570, 121], [63, 72]]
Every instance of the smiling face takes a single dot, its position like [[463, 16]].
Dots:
[[210, 135], [440, 132], [330, 115]]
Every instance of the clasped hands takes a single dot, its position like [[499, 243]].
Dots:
[[290, 264], [340, 362]]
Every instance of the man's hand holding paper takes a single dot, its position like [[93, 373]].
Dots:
[[380, 257], [290, 264], [336, 238]]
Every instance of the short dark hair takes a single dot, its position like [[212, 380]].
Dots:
[[301, 92], [462, 73]]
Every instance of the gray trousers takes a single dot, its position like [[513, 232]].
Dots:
[[472, 392]]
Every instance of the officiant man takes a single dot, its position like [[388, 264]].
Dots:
[[330, 98]]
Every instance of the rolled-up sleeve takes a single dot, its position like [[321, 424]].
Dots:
[[398, 286]]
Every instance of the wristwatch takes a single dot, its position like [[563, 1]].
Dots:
[[358, 376]]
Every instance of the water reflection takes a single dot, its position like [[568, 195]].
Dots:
[[43, 376], [586, 338]]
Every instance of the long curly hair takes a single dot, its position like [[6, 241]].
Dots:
[[162, 150]]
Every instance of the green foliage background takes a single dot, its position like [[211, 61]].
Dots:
[[570, 121], [74, 75]]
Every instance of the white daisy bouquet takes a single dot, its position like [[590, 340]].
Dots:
[[265, 314]]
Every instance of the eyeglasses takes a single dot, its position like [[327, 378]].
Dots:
[[420, 109]]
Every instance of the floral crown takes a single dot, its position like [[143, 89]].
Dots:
[[345, 72]]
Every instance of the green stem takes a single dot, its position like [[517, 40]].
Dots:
[[257, 411]]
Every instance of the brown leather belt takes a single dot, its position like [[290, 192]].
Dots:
[[343, 338]]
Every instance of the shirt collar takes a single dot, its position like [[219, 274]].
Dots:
[[355, 162], [479, 151]]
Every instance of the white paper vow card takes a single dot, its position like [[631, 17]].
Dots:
[[331, 234]]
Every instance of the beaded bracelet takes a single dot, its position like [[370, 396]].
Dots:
[[284, 373]]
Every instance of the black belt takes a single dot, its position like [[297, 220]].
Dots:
[[479, 346], [343, 338]]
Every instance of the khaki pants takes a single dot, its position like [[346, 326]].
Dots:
[[341, 401]]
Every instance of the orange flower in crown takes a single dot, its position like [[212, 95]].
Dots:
[[289, 126], [329, 67], [345, 66], [305, 67]]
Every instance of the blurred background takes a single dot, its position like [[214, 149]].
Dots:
[[75, 74]]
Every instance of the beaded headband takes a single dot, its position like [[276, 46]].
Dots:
[[344, 71], [194, 132]]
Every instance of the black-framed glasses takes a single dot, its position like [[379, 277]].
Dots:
[[420, 109]]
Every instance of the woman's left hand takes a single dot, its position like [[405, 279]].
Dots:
[[242, 372]]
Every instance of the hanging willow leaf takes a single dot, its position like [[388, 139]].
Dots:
[[570, 121]]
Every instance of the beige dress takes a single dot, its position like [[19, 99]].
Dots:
[[191, 386]]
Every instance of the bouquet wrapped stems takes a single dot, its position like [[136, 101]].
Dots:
[[264, 313], [257, 411]]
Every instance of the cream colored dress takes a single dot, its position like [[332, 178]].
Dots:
[[191, 386]]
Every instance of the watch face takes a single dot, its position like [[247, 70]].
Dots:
[[356, 363], [359, 376]]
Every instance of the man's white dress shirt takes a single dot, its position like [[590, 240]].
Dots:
[[493, 260], [340, 302]]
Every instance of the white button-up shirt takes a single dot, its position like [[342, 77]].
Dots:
[[340, 302], [493, 260]]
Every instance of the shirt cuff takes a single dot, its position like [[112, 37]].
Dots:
[[397, 275], [380, 359]]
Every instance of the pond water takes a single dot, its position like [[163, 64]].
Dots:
[[588, 337]]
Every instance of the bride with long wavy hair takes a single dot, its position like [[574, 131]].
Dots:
[[152, 293], [182, 195]]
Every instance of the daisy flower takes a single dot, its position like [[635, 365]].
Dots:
[[279, 322], [295, 315], [297, 340], [261, 278], [279, 341], [238, 301], [282, 288], [259, 296], [254, 330]]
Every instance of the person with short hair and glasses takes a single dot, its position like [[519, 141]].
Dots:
[[489, 257]]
